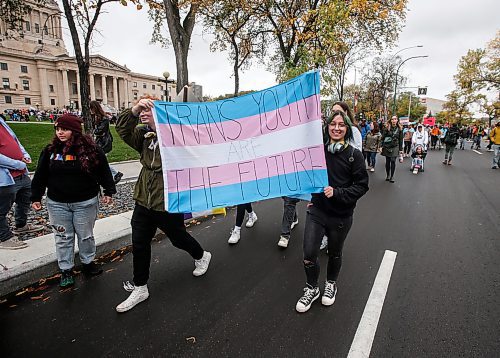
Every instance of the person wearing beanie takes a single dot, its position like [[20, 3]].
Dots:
[[331, 212], [72, 169]]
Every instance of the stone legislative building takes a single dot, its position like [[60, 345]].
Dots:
[[37, 72]]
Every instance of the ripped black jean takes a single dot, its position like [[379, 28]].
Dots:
[[336, 229]]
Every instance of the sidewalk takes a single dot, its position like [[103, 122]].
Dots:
[[20, 268]]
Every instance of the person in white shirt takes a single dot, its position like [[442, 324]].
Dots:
[[420, 137]]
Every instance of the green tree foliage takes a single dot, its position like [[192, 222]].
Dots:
[[417, 110]]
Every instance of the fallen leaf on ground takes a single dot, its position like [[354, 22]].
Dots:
[[112, 269], [191, 339], [36, 297]]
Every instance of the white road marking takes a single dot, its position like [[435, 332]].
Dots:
[[363, 339], [476, 151]]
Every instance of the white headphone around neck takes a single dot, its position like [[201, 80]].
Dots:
[[335, 147]]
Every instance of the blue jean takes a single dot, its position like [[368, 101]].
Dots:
[[18, 193], [371, 158], [113, 170], [496, 154], [68, 219]]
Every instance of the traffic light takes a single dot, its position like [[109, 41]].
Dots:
[[422, 91]]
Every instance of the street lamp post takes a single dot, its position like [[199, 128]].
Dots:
[[166, 75], [407, 48], [396, 81]]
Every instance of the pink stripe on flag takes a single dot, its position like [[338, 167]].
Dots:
[[205, 132], [297, 160]]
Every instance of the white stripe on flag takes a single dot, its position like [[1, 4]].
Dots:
[[306, 135]]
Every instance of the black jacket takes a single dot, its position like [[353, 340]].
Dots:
[[349, 180], [67, 182], [102, 135]]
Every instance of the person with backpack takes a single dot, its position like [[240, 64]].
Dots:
[[102, 135], [407, 136], [495, 140], [392, 146], [450, 140]]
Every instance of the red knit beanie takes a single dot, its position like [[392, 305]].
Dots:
[[69, 121]]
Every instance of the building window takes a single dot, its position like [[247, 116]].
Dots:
[[45, 30], [5, 83], [144, 85], [153, 87], [24, 69], [135, 95], [26, 85], [51, 88], [135, 84], [8, 99], [161, 88], [3, 66], [37, 28], [28, 26], [27, 100], [52, 102], [74, 88]]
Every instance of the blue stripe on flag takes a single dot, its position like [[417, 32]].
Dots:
[[270, 99], [283, 185]]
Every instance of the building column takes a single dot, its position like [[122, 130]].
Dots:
[[116, 104], [92, 87], [127, 94], [65, 87], [44, 91], [78, 90], [104, 90]]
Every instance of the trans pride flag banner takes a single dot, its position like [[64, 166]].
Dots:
[[259, 146]]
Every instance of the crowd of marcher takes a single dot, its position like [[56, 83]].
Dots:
[[73, 168]]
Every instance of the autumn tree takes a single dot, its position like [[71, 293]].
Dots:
[[236, 28], [408, 102]]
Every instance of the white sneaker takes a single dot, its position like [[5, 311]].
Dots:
[[201, 265], [252, 218], [305, 302], [324, 243], [372, 169], [235, 237], [139, 294], [295, 223], [329, 295], [283, 242]]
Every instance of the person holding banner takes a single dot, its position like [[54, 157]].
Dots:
[[357, 139], [392, 146], [149, 211], [240, 215], [331, 212]]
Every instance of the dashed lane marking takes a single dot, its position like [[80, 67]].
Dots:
[[477, 151], [363, 339]]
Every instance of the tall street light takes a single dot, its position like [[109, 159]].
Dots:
[[407, 48], [396, 81]]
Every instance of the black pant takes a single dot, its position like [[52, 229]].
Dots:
[[336, 229], [407, 146], [390, 166], [240, 212], [144, 224]]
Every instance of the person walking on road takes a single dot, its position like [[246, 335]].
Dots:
[[407, 137], [420, 137], [450, 140], [15, 187], [240, 216], [102, 135], [331, 212], [289, 221], [72, 169], [149, 211], [357, 139], [392, 146], [372, 146], [495, 139]]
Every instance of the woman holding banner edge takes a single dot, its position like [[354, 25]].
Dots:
[[331, 212]]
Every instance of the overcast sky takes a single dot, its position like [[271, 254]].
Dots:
[[446, 29]]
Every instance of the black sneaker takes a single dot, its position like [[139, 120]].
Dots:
[[391, 180], [118, 176], [310, 295], [67, 279], [91, 269], [330, 292]]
